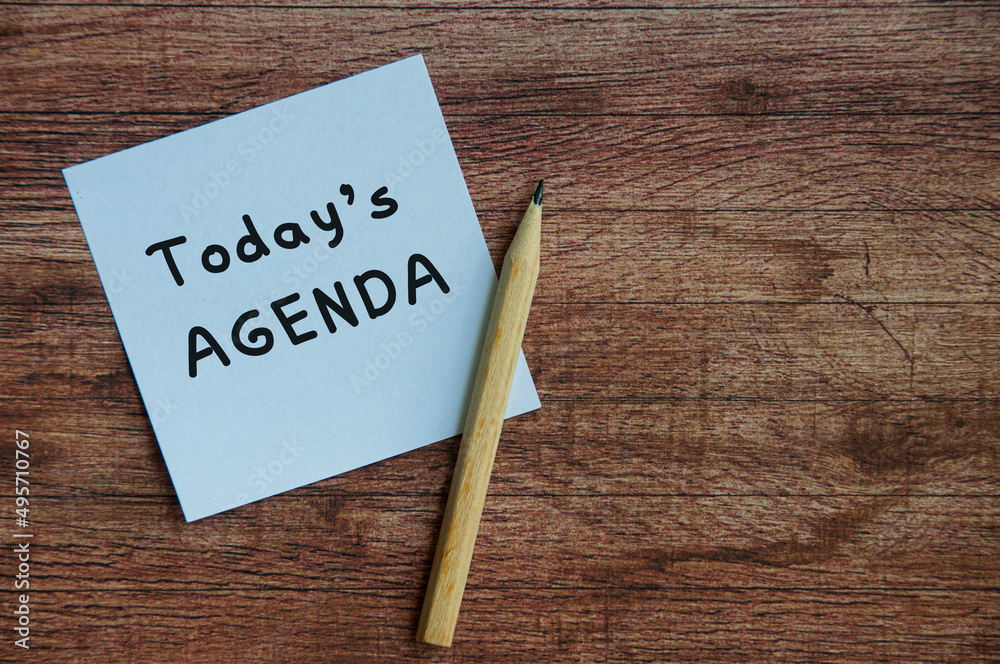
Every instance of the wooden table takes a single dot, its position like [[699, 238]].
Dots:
[[766, 340]]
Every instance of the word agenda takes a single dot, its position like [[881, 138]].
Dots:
[[332, 304]]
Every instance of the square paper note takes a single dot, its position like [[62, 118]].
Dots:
[[302, 288]]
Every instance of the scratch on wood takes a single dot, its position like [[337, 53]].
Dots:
[[868, 310]]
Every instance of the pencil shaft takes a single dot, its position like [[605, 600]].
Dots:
[[482, 433]]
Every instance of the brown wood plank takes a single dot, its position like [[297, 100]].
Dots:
[[516, 625], [711, 351], [870, 256], [732, 61], [632, 541], [764, 351], [581, 448], [772, 163], [567, 5], [647, 257], [626, 163]]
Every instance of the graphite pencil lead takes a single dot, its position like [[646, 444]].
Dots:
[[537, 198]]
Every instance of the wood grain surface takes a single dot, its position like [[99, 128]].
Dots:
[[766, 336]]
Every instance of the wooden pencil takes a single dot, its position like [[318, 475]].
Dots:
[[482, 429]]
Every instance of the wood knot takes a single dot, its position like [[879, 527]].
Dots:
[[10, 30], [745, 96]]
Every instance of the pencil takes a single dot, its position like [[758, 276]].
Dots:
[[482, 429]]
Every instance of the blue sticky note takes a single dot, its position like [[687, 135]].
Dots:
[[302, 289]]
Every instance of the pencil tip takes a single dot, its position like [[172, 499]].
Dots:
[[537, 198]]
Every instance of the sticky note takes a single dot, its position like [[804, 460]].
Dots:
[[302, 288]]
